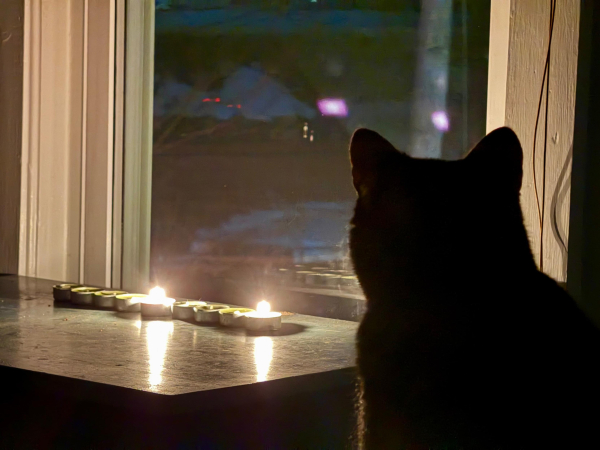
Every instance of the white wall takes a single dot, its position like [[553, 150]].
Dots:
[[518, 46]]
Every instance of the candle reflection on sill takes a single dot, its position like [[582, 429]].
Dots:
[[138, 325], [263, 353], [157, 337]]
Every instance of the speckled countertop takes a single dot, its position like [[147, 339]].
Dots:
[[164, 357]]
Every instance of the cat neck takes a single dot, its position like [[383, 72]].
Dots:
[[417, 278]]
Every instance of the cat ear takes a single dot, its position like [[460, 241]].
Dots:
[[368, 152], [499, 153]]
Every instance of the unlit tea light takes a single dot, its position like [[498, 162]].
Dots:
[[233, 317], [106, 299], [62, 292], [83, 295], [263, 319], [157, 304], [208, 313], [129, 302], [185, 310]]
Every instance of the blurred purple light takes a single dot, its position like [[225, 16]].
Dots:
[[440, 120], [333, 107]]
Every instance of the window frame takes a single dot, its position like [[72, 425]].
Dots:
[[584, 237], [67, 166], [121, 200], [137, 132]]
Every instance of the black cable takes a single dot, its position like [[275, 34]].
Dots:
[[546, 83], [564, 180], [552, 12]]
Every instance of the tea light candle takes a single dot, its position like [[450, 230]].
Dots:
[[208, 313], [157, 304], [83, 295], [233, 317], [129, 302], [263, 319], [106, 299], [62, 292], [185, 310]]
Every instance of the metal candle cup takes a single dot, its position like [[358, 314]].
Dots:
[[185, 310], [151, 309], [62, 292], [233, 317], [263, 319], [106, 299], [256, 321], [83, 295], [129, 302], [208, 313]]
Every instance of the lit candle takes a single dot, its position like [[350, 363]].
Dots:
[[185, 310], [263, 319], [157, 304]]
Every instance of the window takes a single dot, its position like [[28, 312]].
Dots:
[[72, 218], [254, 105]]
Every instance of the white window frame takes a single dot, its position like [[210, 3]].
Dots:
[[75, 181], [105, 206], [137, 171]]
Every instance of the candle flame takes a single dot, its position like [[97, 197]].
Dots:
[[263, 307], [157, 293]]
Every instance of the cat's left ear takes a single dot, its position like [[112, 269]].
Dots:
[[499, 157], [369, 152]]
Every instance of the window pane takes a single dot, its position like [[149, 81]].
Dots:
[[255, 102]]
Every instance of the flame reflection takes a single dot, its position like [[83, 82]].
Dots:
[[263, 354], [157, 337]]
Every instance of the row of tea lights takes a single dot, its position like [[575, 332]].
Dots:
[[158, 305]]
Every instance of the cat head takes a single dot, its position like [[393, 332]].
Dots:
[[498, 158], [425, 212]]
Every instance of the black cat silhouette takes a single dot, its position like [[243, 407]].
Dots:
[[465, 344]]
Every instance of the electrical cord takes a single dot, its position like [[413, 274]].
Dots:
[[546, 84], [560, 191]]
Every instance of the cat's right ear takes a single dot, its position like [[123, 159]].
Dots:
[[369, 151], [499, 157]]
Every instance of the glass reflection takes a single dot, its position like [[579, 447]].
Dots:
[[254, 105], [157, 337], [263, 354]]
